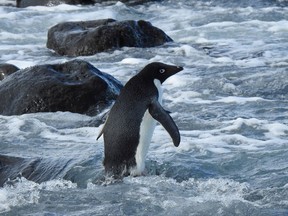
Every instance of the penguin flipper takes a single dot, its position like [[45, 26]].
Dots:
[[162, 116]]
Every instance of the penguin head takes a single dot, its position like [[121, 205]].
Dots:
[[159, 71]]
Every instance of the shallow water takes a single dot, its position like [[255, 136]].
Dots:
[[230, 104]]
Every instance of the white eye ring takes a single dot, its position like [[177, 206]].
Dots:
[[162, 70]]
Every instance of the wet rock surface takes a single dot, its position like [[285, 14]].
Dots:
[[27, 3], [74, 86], [6, 70], [91, 37]]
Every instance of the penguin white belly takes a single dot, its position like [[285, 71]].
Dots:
[[146, 131]]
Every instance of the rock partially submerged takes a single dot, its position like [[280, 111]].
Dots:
[[27, 3], [6, 70], [74, 86], [91, 37]]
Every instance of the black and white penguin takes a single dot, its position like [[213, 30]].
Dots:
[[131, 121]]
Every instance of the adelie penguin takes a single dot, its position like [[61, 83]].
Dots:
[[131, 121]]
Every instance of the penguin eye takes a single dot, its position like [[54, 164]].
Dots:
[[162, 70]]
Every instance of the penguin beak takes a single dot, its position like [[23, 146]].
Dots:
[[170, 71], [179, 68], [176, 69]]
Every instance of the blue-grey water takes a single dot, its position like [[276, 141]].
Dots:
[[230, 103]]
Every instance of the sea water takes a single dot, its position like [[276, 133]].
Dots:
[[230, 104]]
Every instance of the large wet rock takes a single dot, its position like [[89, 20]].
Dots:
[[91, 37], [27, 3], [74, 86], [6, 70]]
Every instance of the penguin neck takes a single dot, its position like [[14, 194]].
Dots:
[[158, 85]]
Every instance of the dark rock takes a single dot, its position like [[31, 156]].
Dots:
[[74, 86], [27, 3], [128, 2], [7, 69], [91, 37]]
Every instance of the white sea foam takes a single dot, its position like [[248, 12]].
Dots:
[[281, 26], [239, 100], [4, 206], [185, 50], [21, 64], [192, 97], [224, 191], [7, 2], [276, 129], [133, 61], [21, 192], [51, 129]]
